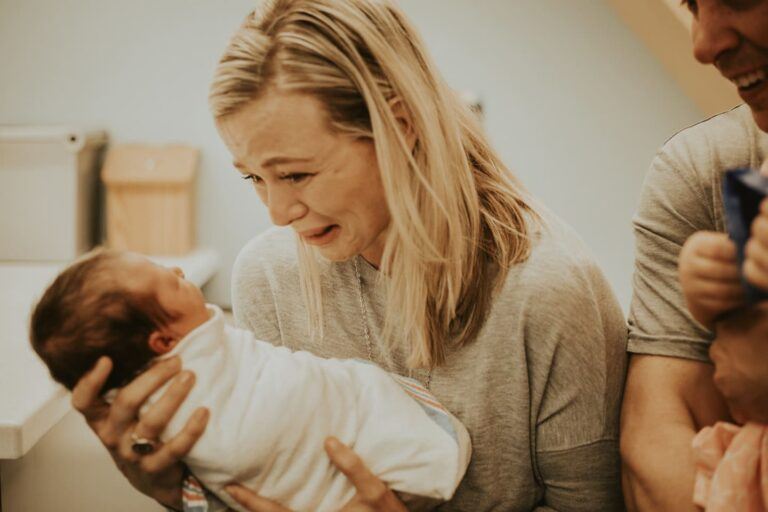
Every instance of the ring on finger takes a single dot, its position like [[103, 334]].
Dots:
[[142, 445]]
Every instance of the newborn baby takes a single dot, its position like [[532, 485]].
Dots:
[[270, 408]]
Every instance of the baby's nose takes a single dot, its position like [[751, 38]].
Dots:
[[178, 272]]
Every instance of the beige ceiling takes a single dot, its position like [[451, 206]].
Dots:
[[664, 26]]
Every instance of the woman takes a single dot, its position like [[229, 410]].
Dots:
[[417, 249]]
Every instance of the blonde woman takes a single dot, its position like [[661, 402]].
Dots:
[[403, 239]]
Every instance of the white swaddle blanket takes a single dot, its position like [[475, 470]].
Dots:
[[271, 410]]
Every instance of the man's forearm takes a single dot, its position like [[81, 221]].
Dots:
[[666, 401], [658, 474]]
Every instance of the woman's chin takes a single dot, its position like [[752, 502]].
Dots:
[[334, 255]]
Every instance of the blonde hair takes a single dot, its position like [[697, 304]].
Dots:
[[459, 218]]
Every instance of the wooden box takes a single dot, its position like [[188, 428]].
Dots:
[[151, 198]]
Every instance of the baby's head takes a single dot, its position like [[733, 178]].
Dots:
[[115, 304]]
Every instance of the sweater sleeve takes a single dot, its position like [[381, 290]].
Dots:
[[253, 289], [576, 350]]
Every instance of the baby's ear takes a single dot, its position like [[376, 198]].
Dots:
[[161, 342]]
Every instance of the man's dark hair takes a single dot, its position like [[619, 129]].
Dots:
[[86, 313]]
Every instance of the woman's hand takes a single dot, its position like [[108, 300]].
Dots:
[[709, 276], [158, 474], [372, 494]]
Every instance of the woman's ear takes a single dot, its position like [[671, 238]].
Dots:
[[404, 121], [161, 342]]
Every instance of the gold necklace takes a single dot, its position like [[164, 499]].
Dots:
[[364, 320]]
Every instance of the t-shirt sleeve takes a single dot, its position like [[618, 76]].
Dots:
[[676, 201], [576, 344]]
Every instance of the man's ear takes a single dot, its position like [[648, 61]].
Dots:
[[161, 342], [404, 121]]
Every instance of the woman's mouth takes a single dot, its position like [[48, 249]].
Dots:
[[321, 236]]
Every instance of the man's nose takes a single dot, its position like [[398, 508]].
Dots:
[[284, 206], [714, 32]]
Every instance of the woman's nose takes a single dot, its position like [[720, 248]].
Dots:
[[284, 207], [714, 32]]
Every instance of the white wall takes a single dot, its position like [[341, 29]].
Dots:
[[573, 101]]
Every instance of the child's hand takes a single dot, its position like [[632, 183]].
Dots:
[[756, 251], [709, 276]]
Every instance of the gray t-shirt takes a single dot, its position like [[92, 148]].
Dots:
[[539, 390], [682, 195]]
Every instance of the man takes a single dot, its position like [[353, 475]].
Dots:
[[672, 388]]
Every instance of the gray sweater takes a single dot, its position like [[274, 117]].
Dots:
[[539, 389]]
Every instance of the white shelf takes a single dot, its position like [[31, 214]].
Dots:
[[30, 402]]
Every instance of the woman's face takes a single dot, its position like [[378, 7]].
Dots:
[[323, 184]]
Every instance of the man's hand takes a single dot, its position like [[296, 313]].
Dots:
[[709, 276]]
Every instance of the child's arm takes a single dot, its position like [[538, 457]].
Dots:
[[709, 275], [756, 251]]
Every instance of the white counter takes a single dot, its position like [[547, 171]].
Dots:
[[30, 402]]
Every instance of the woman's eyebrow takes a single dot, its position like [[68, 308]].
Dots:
[[271, 162], [282, 160]]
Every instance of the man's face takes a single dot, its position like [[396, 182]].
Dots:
[[733, 35]]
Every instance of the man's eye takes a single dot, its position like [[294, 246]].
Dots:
[[253, 178]]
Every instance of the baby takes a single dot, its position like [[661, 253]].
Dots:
[[270, 408], [731, 460]]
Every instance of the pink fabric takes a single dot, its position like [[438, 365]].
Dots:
[[731, 468]]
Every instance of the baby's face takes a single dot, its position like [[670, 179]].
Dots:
[[177, 296]]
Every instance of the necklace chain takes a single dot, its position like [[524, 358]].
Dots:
[[364, 320]]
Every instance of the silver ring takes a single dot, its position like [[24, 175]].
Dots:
[[142, 445]]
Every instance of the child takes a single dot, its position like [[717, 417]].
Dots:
[[270, 408], [731, 461]]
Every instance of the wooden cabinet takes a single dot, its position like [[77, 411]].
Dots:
[[151, 198]]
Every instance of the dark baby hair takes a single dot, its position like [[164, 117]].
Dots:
[[86, 313]]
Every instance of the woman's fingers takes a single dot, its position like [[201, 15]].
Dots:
[[252, 501], [86, 394], [153, 422], [372, 493], [130, 398], [181, 444]]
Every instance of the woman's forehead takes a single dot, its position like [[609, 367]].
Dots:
[[277, 129]]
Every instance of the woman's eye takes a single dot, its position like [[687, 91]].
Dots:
[[297, 177], [253, 178]]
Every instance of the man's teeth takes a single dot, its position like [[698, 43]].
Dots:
[[748, 80]]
